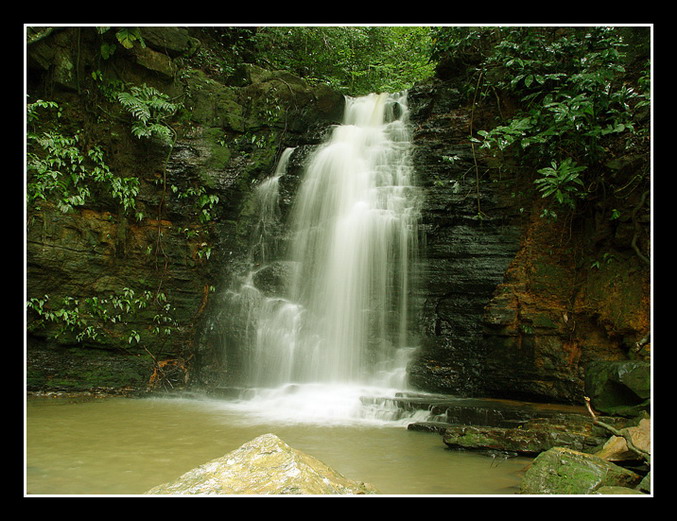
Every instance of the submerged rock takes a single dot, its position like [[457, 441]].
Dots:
[[263, 466], [617, 490]]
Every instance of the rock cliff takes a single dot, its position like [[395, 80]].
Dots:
[[513, 304]]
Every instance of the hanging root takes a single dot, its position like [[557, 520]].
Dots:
[[167, 371]]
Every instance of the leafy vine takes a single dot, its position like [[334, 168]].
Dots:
[[59, 168]]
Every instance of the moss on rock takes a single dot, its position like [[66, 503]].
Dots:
[[211, 103], [565, 471]]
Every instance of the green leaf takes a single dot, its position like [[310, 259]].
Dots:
[[107, 50]]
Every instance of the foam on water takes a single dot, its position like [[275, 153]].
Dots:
[[322, 404]]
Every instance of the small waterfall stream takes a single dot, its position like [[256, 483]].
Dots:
[[338, 329]]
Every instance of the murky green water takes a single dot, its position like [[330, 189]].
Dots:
[[126, 446]]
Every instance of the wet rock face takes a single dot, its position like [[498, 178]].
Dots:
[[505, 310], [471, 235], [620, 387]]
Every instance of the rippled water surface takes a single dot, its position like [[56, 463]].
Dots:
[[126, 446]]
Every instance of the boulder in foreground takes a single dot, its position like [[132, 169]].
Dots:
[[566, 471], [263, 466]]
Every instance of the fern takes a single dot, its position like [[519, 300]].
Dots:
[[150, 108], [135, 105]]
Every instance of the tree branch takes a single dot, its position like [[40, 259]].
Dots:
[[623, 433]]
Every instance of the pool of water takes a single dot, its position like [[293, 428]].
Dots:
[[123, 446]]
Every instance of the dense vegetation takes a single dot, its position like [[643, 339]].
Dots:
[[578, 97], [356, 60], [574, 102]]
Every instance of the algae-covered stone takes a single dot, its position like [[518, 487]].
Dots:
[[264, 466], [523, 441], [645, 484], [173, 41], [155, 61], [565, 471], [212, 104]]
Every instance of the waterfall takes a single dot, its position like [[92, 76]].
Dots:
[[339, 327], [267, 193]]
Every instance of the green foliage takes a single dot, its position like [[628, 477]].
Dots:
[[33, 114], [95, 318], [110, 88], [60, 170], [126, 36], [355, 60], [607, 258], [577, 101], [562, 182], [150, 108], [460, 43], [205, 202]]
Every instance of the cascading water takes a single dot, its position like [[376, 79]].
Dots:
[[339, 330]]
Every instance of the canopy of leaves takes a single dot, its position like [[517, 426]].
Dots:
[[355, 60]]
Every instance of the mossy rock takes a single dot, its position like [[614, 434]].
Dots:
[[263, 466], [525, 441], [219, 152], [565, 471], [212, 104]]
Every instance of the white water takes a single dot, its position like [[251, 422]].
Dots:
[[267, 194], [339, 330]]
